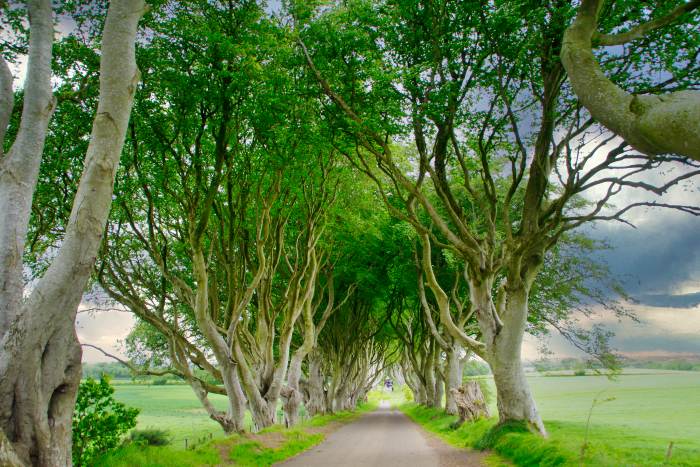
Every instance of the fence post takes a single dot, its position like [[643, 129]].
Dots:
[[669, 451]]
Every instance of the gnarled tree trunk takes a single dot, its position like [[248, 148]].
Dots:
[[514, 399], [470, 402], [40, 356], [453, 378], [315, 395], [668, 123]]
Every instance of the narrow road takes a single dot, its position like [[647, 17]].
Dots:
[[383, 438]]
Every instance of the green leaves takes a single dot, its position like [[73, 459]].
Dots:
[[99, 421]]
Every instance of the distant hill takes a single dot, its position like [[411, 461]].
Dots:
[[681, 362], [113, 369]]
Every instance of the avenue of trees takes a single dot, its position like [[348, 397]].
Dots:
[[296, 200]]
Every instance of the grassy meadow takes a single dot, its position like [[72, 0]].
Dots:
[[175, 408], [172, 407], [648, 411], [640, 413]]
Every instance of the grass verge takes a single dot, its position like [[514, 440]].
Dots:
[[262, 449], [611, 445]]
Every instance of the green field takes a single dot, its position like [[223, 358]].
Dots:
[[649, 410], [664, 406], [174, 408]]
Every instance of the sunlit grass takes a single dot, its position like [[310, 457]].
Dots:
[[633, 429], [233, 450]]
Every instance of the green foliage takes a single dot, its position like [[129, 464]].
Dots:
[[113, 370], [476, 368], [150, 437], [407, 393], [99, 421]]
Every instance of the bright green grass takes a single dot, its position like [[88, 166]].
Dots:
[[239, 449], [649, 411], [174, 408], [166, 456], [634, 429], [298, 439], [665, 406], [254, 454]]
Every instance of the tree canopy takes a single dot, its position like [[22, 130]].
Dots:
[[309, 196]]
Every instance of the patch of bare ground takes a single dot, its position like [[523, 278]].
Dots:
[[325, 429], [450, 456], [223, 449], [270, 440]]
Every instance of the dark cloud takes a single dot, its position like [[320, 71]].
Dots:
[[676, 343], [655, 258], [689, 300]]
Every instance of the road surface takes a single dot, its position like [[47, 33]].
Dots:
[[383, 438]]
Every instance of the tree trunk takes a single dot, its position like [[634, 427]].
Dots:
[[439, 389], [19, 169], [291, 394], [40, 357], [230, 421], [236, 398], [470, 402], [259, 407], [454, 378], [315, 400], [668, 123], [430, 380], [515, 401], [39, 389]]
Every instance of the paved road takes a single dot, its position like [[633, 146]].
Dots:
[[383, 438]]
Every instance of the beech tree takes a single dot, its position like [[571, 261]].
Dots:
[[40, 357], [657, 119], [507, 150], [219, 253]]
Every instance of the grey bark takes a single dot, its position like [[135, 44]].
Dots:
[[40, 357], [502, 326], [232, 420], [454, 378], [315, 398], [7, 101], [668, 123], [514, 399], [470, 402], [19, 169]]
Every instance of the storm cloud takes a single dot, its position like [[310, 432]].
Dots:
[[657, 260]]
